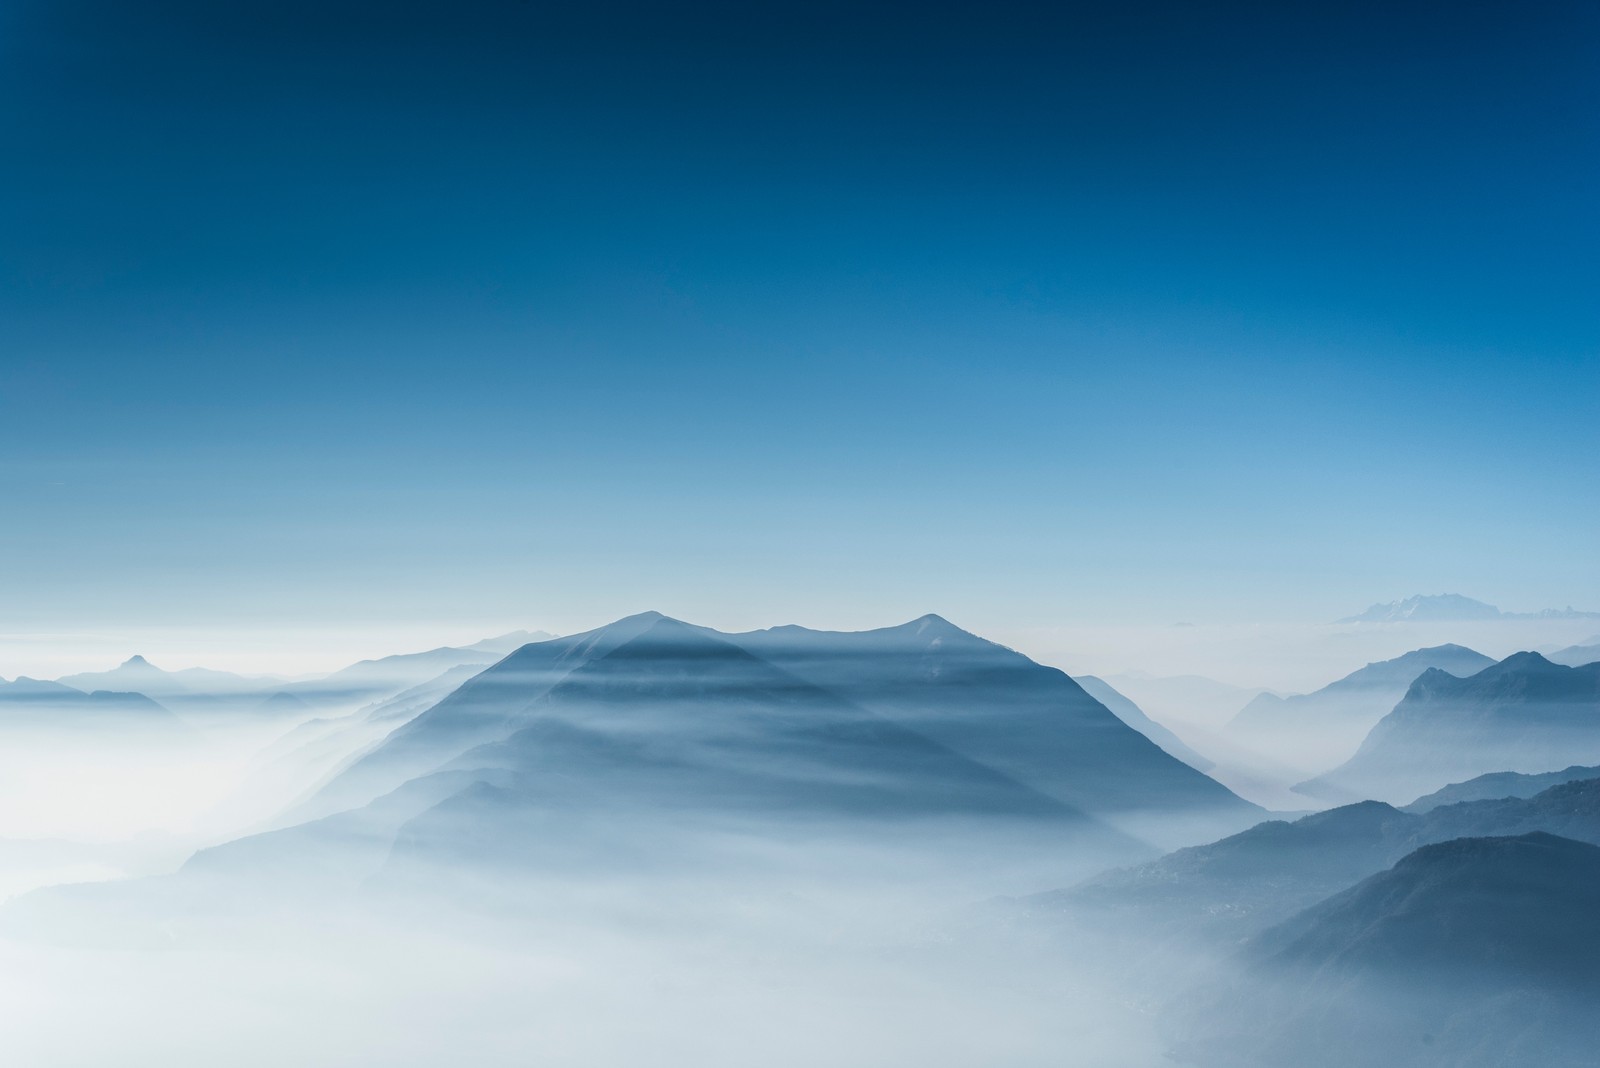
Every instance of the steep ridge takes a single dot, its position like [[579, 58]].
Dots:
[[1523, 714], [996, 706], [1322, 728], [489, 706], [1121, 706]]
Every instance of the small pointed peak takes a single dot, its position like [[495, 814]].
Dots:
[[644, 618], [136, 661], [934, 626]]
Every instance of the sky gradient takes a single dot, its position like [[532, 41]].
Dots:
[[524, 314]]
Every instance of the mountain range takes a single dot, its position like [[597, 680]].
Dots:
[[642, 745], [138, 675], [1454, 608], [1323, 728], [605, 693], [1523, 714], [34, 704]]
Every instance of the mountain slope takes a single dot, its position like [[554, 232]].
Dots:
[[1501, 784], [1471, 953], [1325, 727], [1523, 714], [985, 703], [1134, 716], [678, 729], [996, 706], [1523, 908], [488, 707]]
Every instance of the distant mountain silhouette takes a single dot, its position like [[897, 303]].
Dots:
[[1131, 714], [138, 675], [1577, 655], [375, 679], [1471, 952], [1523, 714], [1453, 608], [35, 704], [501, 644], [1501, 784], [1326, 726], [364, 681]]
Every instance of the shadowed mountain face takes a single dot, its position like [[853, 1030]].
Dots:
[[925, 684], [639, 748], [677, 719], [1134, 716], [1522, 909], [996, 706], [1477, 951], [1321, 729], [1523, 714], [676, 728], [488, 707]]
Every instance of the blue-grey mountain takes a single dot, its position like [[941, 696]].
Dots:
[[1523, 714]]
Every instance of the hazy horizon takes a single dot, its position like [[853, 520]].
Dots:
[[1289, 657]]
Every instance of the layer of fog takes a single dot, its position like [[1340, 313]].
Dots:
[[889, 944]]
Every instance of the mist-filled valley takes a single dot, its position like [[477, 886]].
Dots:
[[654, 841]]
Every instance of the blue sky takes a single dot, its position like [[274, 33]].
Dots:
[[537, 314]]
